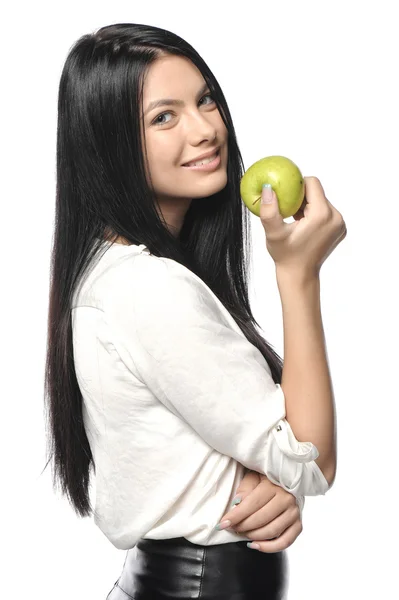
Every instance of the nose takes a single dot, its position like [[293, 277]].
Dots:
[[200, 127]]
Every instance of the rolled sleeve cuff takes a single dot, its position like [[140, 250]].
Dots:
[[291, 464], [300, 500]]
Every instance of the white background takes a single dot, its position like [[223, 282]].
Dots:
[[314, 81]]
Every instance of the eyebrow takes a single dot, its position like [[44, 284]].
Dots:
[[171, 101]]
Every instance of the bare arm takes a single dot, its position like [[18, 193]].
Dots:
[[306, 380]]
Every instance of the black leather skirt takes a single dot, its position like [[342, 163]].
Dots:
[[178, 569]]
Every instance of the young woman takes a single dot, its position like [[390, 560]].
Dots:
[[156, 375]]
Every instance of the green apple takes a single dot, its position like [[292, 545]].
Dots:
[[285, 179]]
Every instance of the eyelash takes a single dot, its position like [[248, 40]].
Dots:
[[169, 112]]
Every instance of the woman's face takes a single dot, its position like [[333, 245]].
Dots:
[[178, 134]]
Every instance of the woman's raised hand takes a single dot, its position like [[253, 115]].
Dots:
[[301, 247]]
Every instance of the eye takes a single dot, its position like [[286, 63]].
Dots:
[[159, 124]]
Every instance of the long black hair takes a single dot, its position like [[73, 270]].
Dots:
[[102, 191]]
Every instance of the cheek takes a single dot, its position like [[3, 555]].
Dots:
[[163, 155], [156, 148]]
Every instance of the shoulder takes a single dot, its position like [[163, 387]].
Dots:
[[146, 283]]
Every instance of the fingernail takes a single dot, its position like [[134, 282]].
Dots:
[[267, 194], [223, 525], [236, 500], [253, 546]]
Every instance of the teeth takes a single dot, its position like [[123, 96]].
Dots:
[[205, 161]]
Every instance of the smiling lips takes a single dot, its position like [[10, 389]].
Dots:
[[203, 160], [206, 164]]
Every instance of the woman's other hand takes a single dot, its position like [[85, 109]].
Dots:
[[266, 511]]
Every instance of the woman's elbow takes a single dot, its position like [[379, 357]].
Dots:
[[328, 469]]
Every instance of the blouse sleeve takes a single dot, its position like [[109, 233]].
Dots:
[[203, 369]]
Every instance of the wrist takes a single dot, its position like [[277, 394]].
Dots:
[[297, 277]]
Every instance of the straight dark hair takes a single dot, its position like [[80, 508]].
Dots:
[[102, 191]]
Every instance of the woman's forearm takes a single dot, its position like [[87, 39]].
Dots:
[[306, 381]]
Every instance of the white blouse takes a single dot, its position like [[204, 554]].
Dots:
[[176, 402]]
